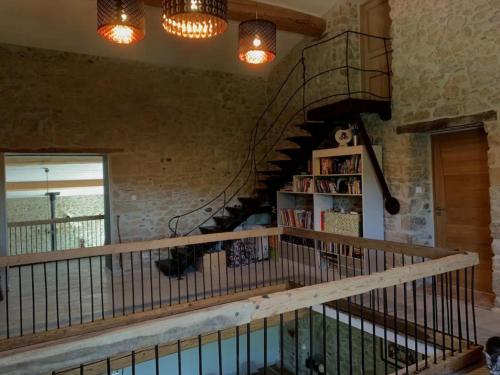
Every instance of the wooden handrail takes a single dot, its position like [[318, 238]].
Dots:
[[55, 221], [24, 259], [73, 351], [391, 247]]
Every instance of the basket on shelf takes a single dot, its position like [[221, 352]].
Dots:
[[346, 224]]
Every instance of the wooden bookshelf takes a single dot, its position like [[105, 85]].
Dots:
[[335, 165]]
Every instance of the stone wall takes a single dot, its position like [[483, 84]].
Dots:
[[180, 133], [445, 64]]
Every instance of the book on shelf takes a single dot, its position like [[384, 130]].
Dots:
[[304, 185], [350, 165], [326, 186], [296, 218], [339, 185]]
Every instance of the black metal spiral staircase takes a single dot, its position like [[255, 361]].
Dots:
[[326, 120], [320, 121]]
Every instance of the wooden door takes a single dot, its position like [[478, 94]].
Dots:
[[375, 20], [461, 198]]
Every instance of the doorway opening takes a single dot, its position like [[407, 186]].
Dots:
[[55, 202]]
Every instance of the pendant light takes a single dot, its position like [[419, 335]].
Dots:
[[121, 21], [257, 40], [196, 19]]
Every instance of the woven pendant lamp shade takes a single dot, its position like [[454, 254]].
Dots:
[[196, 19], [121, 21], [257, 41]]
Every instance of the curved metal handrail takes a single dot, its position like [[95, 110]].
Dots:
[[255, 140]]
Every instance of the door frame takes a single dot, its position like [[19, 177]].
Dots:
[[363, 46], [483, 299]]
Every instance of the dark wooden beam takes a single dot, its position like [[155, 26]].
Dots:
[[450, 123], [284, 18]]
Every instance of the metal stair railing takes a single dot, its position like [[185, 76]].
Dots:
[[248, 168]]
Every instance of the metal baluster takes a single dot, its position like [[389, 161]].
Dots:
[[142, 279], [338, 334], [237, 350], [133, 281], [451, 314], [424, 289], [7, 292], [200, 356], [467, 336], [434, 317], [46, 297], [405, 296], [459, 313], [473, 302], [296, 321], [443, 311], [91, 287], [79, 289], [179, 357], [159, 278], [122, 266], [248, 348], [133, 362], [384, 296], [102, 288], [112, 261], [219, 351], [20, 300], [415, 319], [157, 360], [311, 344], [211, 276], [33, 306], [69, 291], [282, 346], [395, 307], [151, 279], [325, 360], [218, 268]]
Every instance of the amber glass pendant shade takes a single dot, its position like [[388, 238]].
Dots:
[[121, 21], [257, 40], [195, 19]]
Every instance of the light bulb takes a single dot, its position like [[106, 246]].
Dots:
[[122, 34], [256, 57], [257, 42], [123, 17]]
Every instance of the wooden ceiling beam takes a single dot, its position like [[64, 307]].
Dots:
[[285, 19]]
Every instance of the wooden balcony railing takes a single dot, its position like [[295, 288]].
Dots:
[[279, 299]]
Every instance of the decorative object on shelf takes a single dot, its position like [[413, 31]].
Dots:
[[195, 19], [343, 137], [121, 21], [257, 40], [355, 134]]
